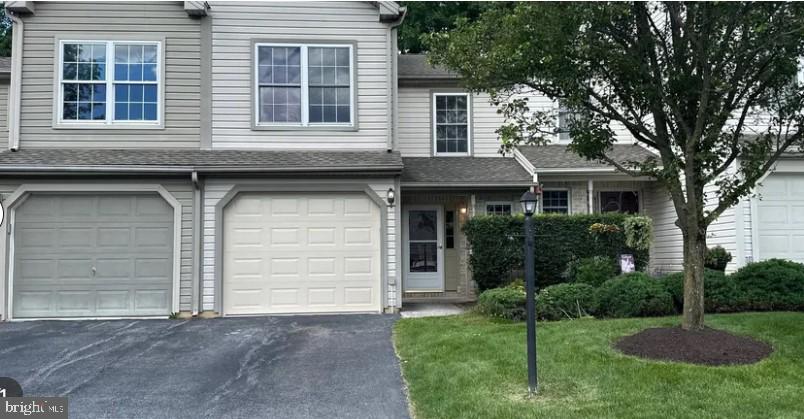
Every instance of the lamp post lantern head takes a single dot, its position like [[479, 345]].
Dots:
[[530, 200]]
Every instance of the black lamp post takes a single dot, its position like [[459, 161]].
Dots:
[[530, 200]]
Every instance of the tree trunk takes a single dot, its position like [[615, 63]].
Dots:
[[694, 256]]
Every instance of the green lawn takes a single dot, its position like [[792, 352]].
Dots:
[[472, 367]]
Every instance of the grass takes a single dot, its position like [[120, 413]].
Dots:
[[469, 366]]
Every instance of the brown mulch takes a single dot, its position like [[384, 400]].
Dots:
[[705, 347]]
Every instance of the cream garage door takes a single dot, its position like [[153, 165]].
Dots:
[[301, 253], [780, 217], [92, 256]]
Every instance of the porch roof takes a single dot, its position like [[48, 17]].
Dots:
[[556, 158], [468, 172]]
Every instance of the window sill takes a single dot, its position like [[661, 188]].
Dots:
[[452, 154], [342, 128], [109, 126]]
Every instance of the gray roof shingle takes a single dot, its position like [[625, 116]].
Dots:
[[465, 171], [178, 160], [415, 66], [556, 156]]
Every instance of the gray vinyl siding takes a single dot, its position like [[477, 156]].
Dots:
[[236, 25], [181, 189], [74, 20], [666, 252], [3, 114]]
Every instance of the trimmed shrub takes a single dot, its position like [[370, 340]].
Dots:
[[633, 295], [565, 301], [497, 242], [773, 284], [721, 294], [595, 270], [507, 303], [717, 258]]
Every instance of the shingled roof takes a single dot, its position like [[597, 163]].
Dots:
[[5, 65], [558, 157], [187, 160], [415, 66], [463, 171]]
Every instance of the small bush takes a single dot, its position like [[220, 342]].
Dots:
[[507, 303], [565, 301], [773, 284], [595, 270], [721, 294], [717, 258], [633, 295]]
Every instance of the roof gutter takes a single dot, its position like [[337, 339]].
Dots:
[[193, 169], [15, 98]]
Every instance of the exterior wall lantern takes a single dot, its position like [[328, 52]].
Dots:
[[391, 196]]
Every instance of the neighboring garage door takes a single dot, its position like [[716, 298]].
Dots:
[[93, 256], [780, 217], [301, 253]]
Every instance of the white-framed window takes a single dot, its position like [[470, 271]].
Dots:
[[109, 83], [452, 128], [555, 201], [303, 85], [619, 201], [498, 208]]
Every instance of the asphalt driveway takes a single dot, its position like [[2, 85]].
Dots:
[[259, 367]]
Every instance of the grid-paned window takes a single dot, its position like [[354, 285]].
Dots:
[[303, 85], [330, 79], [498, 208], [555, 202], [451, 123], [136, 87], [109, 82], [279, 78]]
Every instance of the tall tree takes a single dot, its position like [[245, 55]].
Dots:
[[5, 33], [424, 17], [710, 86]]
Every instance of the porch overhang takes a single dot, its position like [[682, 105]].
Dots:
[[463, 173]]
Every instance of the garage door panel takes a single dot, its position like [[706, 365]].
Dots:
[[127, 239], [780, 217], [313, 253]]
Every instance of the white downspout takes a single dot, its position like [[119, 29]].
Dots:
[[15, 97], [590, 189]]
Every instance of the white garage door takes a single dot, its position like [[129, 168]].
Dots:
[[780, 217], [92, 256], [301, 253]]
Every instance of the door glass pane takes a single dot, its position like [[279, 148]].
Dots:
[[422, 225], [423, 257]]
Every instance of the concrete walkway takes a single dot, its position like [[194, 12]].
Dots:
[[413, 310]]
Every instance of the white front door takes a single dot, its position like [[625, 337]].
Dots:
[[424, 248]]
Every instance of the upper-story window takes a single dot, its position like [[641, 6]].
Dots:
[[109, 83], [451, 123], [304, 85]]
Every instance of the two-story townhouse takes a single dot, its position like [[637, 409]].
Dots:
[[236, 158]]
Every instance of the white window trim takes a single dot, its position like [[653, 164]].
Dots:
[[468, 124], [305, 84], [569, 199], [636, 192], [109, 122], [488, 203]]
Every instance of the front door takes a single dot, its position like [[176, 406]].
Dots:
[[424, 248]]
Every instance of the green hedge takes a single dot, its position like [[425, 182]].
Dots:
[[633, 295], [773, 284], [566, 301], [721, 294], [497, 241], [506, 303]]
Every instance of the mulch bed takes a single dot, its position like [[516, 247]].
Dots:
[[705, 347]]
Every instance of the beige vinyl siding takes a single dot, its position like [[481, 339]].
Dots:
[[236, 25], [77, 20], [666, 252], [3, 114], [181, 189]]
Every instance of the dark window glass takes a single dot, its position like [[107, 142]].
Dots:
[[279, 81], [619, 201], [556, 202], [449, 227], [498, 209], [452, 123], [329, 76], [84, 73]]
